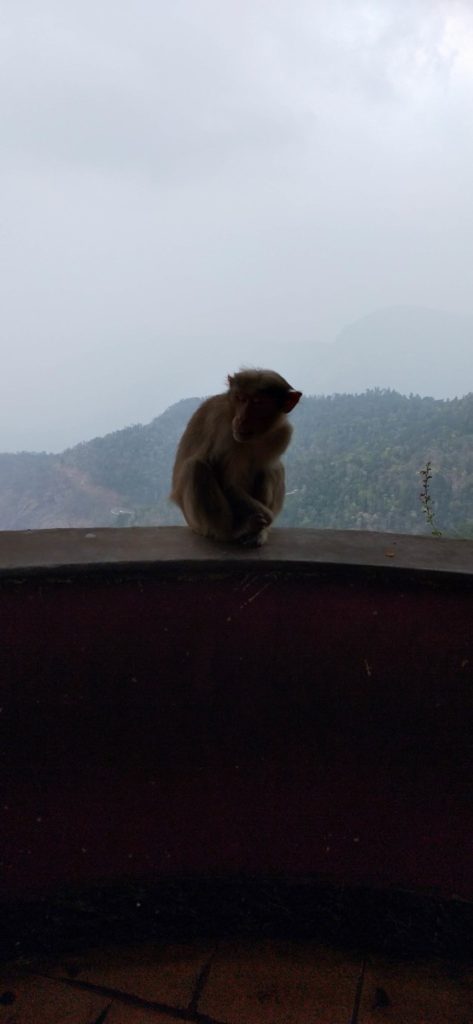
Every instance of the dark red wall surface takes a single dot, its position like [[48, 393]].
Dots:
[[236, 718]]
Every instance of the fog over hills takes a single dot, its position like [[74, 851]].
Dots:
[[410, 349], [354, 460]]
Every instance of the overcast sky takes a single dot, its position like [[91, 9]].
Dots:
[[191, 185]]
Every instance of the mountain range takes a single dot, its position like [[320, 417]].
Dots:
[[354, 462], [355, 459]]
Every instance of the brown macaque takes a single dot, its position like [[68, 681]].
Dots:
[[228, 479]]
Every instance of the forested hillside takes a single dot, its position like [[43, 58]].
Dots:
[[354, 464]]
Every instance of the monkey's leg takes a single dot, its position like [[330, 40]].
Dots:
[[270, 488], [205, 507], [262, 505], [250, 516], [251, 519]]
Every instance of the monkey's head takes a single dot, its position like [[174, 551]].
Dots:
[[259, 398]]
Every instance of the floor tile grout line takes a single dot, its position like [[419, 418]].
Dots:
[[358, 994], [201, 982], [128, 999], [102, 1017]]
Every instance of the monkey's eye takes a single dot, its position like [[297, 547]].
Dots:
[[262, 402]]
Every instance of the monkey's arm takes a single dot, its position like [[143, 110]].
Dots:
[[270, 488]]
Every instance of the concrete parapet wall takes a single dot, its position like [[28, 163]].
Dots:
[[172, 708]]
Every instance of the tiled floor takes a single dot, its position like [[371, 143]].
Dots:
[[233, 983]]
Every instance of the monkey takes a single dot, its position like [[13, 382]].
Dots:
[[228, 479]]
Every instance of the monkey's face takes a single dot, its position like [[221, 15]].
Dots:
[[254, 415]]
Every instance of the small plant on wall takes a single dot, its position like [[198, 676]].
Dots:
[[426, 499]]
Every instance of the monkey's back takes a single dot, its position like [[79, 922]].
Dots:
[[208, 429]]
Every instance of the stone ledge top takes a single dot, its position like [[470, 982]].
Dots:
[[146, 547]]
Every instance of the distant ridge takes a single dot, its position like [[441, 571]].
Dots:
[[410, 349]]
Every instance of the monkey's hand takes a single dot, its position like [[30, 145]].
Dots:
[[254, 527], [255, 540]]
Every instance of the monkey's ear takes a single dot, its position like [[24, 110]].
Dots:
[[291, 400]]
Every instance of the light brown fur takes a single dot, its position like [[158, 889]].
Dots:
[[228, 479]]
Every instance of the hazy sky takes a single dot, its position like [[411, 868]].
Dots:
[[190, 185]]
